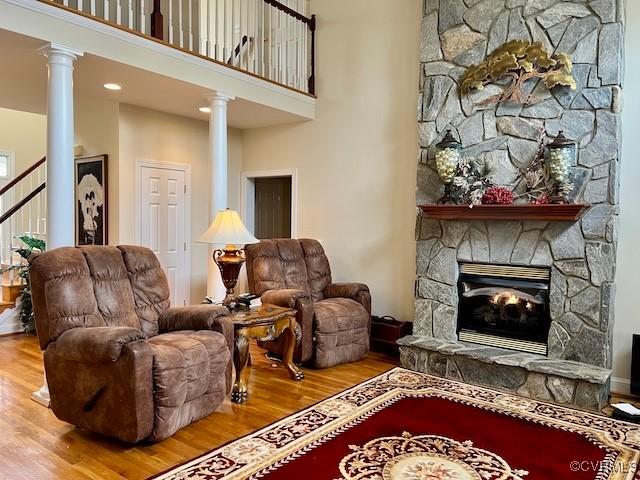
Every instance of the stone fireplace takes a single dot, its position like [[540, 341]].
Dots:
[[579, 257]]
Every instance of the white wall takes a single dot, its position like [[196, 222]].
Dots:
[[628, 269], [159, 137], [357, 161], [25, 134], [96, 129]]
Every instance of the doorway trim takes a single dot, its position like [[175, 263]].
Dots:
[[248, 195], [181, 167]]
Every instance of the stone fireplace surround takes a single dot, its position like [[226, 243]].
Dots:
[[582, 255]]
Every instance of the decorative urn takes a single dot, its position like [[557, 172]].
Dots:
[[448, 154], [448, 157], [562, 154]]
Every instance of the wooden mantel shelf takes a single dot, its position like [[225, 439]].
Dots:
[[547, 213]]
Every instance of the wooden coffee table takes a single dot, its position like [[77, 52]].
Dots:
[[264, 323]]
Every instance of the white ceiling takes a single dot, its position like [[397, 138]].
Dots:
[[23, 84]]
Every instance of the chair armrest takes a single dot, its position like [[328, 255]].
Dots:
[[358, 292], [345, 290], [288, 297], [96, 344], [198, 317]]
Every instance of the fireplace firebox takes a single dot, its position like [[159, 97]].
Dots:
[[504, 306]]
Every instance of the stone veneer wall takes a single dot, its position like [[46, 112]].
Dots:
[[458, 33]]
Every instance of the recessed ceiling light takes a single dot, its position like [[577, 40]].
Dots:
[[205, 109], [112, 86]]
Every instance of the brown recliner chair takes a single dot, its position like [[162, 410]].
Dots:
[[335, 318], [118, 360]]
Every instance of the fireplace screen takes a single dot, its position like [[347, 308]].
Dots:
[[504, 306]]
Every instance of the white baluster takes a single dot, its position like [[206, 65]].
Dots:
[[240, 35], [233, 33], [119, 12], [65, 3], [255, 36], [11, 275], [261, 19], [30, 216], [280, 47], [190, 31], [38, 182], [296, 44], [143, 17], [80, 5], [247, 32], [130, 14], [290, 63], [215, 21], [270, 49], [105, 12], [170, 22], [180, 23]]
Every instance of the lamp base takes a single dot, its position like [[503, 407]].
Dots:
[[229, 261]]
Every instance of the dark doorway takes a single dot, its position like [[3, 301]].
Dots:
[[273, 207]]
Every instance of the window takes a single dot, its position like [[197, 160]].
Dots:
[[5, 159]]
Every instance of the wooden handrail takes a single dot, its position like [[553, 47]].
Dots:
[[9, 213], [13, 182], [289, 11]]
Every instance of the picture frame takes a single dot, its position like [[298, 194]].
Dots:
[[91, 200]]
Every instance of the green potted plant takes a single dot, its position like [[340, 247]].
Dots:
[[31, 245]]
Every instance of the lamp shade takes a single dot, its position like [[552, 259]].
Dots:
[[227, 229]]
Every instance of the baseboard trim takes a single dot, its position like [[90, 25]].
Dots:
[[620, 386]]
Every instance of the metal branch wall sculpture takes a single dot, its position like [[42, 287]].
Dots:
[[519, 61]]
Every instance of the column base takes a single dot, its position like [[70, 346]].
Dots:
[[42, 396]]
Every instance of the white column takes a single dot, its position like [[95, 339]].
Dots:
[[60, 139], [218, 103]]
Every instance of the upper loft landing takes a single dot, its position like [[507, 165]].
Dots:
[[258, 51]]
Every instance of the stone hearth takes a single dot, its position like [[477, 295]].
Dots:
[[527, 374], [581, 255]]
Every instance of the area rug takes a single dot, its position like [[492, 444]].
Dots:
[[407, 425]]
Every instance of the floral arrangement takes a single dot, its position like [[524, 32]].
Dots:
[[470, 182], [538, 179]]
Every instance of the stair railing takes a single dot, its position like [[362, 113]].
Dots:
[[280, 35], [23, 211]]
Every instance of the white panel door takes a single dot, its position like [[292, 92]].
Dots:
[[163, 225]]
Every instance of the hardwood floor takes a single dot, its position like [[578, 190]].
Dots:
[[35, 445]]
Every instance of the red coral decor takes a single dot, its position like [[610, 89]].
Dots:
[[497, 196], [408, 425]]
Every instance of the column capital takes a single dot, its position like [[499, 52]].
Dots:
[[218, 97], [56, 51]]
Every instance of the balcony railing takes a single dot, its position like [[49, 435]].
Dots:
[[271, 39]]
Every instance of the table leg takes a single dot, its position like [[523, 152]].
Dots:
[[292, 333], [240, 358]]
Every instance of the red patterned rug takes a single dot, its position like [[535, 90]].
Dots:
[[407, 425]]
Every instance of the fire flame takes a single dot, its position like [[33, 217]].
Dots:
[[505, 298]]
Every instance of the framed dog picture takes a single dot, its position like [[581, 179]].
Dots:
[[91, 200]]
